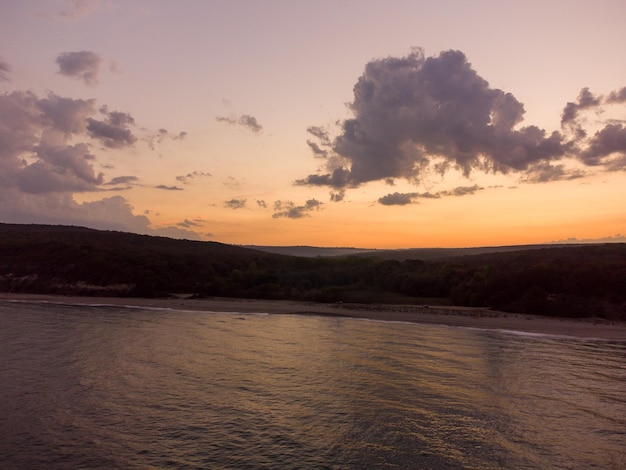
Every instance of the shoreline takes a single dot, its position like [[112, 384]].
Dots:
[[441, 315]]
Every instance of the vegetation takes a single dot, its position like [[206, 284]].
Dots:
[[574, 281]]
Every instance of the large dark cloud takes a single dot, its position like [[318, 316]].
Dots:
[[35, 150], [413, 115], [46, 157], [83, 65]]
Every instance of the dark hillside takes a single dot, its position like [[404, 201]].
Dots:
[[77, 260], [572, 281]]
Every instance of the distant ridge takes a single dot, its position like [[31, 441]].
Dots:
[[311, 251], [400, 254]]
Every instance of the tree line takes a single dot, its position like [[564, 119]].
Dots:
[[577, 281]]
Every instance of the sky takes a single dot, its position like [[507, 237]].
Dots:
[[371, 124]]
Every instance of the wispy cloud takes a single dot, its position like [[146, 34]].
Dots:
[[245, 120], [5, 70], [189, 177], [403, 199]]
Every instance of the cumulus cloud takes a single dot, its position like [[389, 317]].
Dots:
[[586, 100], [189, 177], [606, 142], [168, 188], [113, 213], [114, 130], [245, 120], [5, 70], [36, 155], [83, 65], [261, 203], [235, 203], [288, 209], [415, 115], [46, 157]]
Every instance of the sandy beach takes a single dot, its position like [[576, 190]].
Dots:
[[448, 315]]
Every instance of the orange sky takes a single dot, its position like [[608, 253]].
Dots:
[[356, 123]]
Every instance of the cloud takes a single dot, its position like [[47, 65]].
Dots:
[[606, 142], [187, 179], [415, 115], [46, 157], [586, 100], [168, 188], [288, 209], [36, 155], [322, 147], [402, 199], [461, 191], [545, 172], [235, 203], [162, 135], [618, 96], [261, 203], [5, 70], [245, 120], [83, 65], [397, 199], [123, 180], [113, 132], [76, 9], [189, 223], [617, 238], [113, 213], [337, 196]]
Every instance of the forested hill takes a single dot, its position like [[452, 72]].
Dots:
[[573, 281]]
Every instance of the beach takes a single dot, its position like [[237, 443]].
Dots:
[[444, 315]]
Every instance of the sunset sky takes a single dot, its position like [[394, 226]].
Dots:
[[370, 124]]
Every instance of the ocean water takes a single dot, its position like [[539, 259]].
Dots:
[[112, 387]]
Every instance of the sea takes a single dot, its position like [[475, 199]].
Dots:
[[101, 386]]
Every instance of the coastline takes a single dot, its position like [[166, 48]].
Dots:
[[443, 315]]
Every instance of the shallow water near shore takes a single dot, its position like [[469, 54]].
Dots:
[[115, 387]]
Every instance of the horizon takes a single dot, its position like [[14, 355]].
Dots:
[[430, 125]]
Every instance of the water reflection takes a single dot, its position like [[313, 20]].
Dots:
[[101, 386]]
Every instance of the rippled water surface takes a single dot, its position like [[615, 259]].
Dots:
[[112, 387]]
